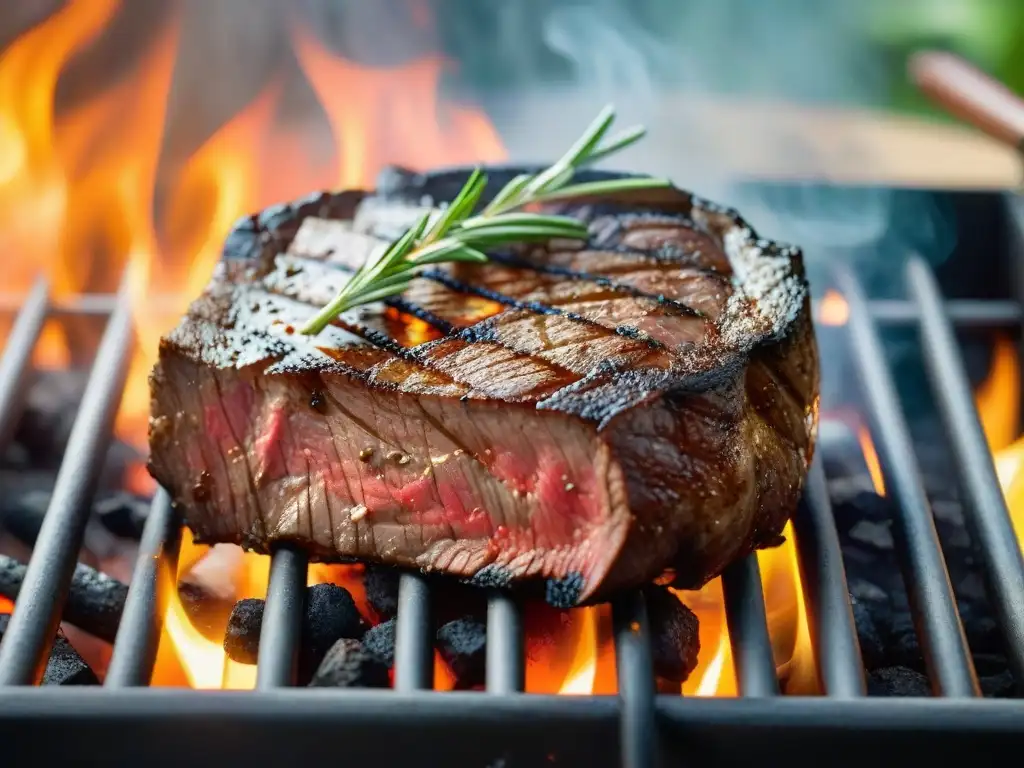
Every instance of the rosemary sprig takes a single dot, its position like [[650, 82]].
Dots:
[[452, 234]]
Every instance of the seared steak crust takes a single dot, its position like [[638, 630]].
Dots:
[[593, 415]]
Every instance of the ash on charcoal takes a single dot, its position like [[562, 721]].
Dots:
[[897, 681], [381, 585], [95, 601], [674, 637], [462, 643], [348, 664], [65, 666], [380, 642], [330, 615]]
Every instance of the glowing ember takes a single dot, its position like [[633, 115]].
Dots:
[[833, 309]]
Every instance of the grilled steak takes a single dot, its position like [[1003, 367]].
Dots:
[[592, 415]]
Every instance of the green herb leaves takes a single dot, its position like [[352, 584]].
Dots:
[[452, 234]]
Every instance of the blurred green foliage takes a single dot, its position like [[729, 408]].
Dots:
[[802, 49], [988, 32]]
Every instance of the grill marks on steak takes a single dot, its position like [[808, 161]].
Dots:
[[588, 414]]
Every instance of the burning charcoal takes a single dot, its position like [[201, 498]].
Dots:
[[897, 681], [380, 642], [349, 665], [674, 637], [122, 514], [65, 666], [242, 638], [331, 614], [871, 646], [381, 584], [463, 645], [95, 601]]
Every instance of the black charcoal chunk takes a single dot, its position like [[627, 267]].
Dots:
[[898, 681], [674, 637], [95, 601], [1000, 686], [23, 513], [330, 615], [122, 514], [463, 645], [242, 638], [381, 585], [380, 642], [348, 665], [872, 647], [65, 666]]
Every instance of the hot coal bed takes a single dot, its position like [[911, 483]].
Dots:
[[915, 681]]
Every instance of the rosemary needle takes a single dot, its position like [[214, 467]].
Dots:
[[453, 234]]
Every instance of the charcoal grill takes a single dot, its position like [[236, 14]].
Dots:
[[128, 723]]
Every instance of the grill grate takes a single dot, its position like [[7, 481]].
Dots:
[[649, 726]]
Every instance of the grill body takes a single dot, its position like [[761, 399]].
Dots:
[[130, 724]]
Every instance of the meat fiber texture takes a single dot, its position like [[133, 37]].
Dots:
[[586, 417]]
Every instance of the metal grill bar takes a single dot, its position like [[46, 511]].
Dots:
[[44, 590], [748, 629], [937, 621], [635, 675], [142, 621], [964, 312], [985, 511], [823, 577], [282, 619], [505, 667], [414, 656], [17, 357]]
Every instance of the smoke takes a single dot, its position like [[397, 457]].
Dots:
[[701, 75]]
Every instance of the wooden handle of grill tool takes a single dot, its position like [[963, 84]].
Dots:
[[970, 94]]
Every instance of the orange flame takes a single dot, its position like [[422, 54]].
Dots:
[[867, 447], [998, 400]]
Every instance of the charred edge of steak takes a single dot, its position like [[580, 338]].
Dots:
[[763, 342]]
